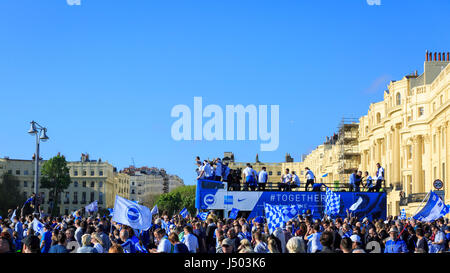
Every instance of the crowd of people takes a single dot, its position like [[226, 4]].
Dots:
[[302, 234], [253, 180]]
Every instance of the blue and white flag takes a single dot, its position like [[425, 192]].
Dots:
[[290, 212], [131, 214], [184, 212], [92, 207], [332, 202], [274, 217], [233, 213], [433, 209], [402, 214], [38, 227], [203, 215], [111, 212], [13, 215], [28, 201], [155, 210]]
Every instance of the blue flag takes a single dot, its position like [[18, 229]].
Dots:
[[13, 215], [325, 175], [184, 212], [203, 215], [38, 227], [28, 201], [131, 214], [433, 209], [274, 217], [234, 213], [155, 210], [332, 202], [111, 211], [403, 214], [92, 207]]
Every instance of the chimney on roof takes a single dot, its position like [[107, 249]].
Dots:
[[435, 56], [431, 57], [448, 56], [439, 56]]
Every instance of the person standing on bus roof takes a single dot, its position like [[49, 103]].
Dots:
[[262, 179], [249, 176], [310, 178]]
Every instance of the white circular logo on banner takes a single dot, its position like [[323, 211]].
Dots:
[[209, 200]]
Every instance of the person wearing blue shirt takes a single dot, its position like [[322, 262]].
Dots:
[[61, 246], [438, 244], [369, 182], [18, 227], [380, 177], [46, 239], [395, 244], [128, 245]]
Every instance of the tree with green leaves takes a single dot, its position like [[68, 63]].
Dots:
[[56, 178], [10, 195], [174, 201]]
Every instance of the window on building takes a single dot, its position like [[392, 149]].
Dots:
[[75, 198], [25, 172], [84, 184], [92, 184], [66, 211], [83, 197], [92, 196], [132, 191], [378, 118], [270, 172], [421, 111], [398, 99], [17, 172], [100, 184], [75, 184], [66, 198], [75, 173], [278, 173], [25, 184], [100, 173], [100, 197], [84, 173]]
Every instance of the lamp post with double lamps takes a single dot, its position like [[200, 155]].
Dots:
[[41, 134]]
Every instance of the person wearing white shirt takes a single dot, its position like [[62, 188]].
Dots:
[[206, 171], [262, 179], [285, 179], [249, 176], [164, 245], [310, 178], [190, 240], [295, 181], [380, 177], [218, 170]]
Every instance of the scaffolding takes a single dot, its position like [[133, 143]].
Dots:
[[349, 156]]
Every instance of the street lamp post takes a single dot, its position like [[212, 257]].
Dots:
[[41, 134]]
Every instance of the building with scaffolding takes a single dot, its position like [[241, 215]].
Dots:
[[348, 152]]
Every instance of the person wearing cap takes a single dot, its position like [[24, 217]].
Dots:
[[227, 246], [31, 244], [395, 244], [356, 244]]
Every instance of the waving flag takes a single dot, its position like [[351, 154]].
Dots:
[[356, 205], [332, 202], [131, 214], [433, 209], [155, 210], [274, 217], [92, 207], [234, 213], [203, 215], [111, 211], [13, 214], [38, 227], [403, 214], [325, 175], [184, 212]]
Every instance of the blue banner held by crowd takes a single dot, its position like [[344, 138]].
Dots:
[[92, 207], [184, 212], [203, 215], [234, 213]]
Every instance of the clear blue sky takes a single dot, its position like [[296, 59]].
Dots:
[[104, 76]]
